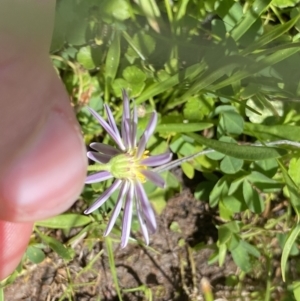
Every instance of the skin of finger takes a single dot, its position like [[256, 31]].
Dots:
[[45, 174], [25, 74], [14, 239], [31, 94]]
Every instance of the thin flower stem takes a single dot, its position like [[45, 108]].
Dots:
[[178, 162], [98, 167]]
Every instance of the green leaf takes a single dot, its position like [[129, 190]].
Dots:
[[182, 127], [253, 13], [215, 156], [76, 31], [188, 170], [203, 190], [252, 198], [295, 13], [236, 183], [142, 45], [84, 57], [65, 221], [231, 123], [252, 250], [198, 107], [294, 170], [230, 165], [287, 248], [296, 290], [219, 191], [160, 87], [282, 237], [230, 12], [271, 35], [292, 188], [134, 75], [235, 202], [268, 167], [1, 294], [222, 254], [212, 75], [253, 67], [245, 152], [289, 132], [35, 255], [284, 3], [112, 59], [241, 257], [65, 253], [257, 177], [118, 9], [225, 231]]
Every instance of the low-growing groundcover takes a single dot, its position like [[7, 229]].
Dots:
[[224, 79]]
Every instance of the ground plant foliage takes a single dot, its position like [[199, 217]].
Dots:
[[224, 79]]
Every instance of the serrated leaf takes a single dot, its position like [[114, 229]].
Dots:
[[65, 221], [246, 152], [287, 248]]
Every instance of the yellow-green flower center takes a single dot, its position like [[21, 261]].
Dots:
[[128, 166]]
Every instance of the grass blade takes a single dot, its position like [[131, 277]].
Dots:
[[112, 266], [245, 152], [287, 248]]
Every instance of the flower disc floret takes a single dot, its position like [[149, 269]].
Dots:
[[127, 167]]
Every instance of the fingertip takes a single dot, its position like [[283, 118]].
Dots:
[[14, 239], [49, 172]]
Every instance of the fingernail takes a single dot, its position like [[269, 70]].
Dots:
[[47, 175]]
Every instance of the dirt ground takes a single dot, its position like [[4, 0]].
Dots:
[[169, 267]]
